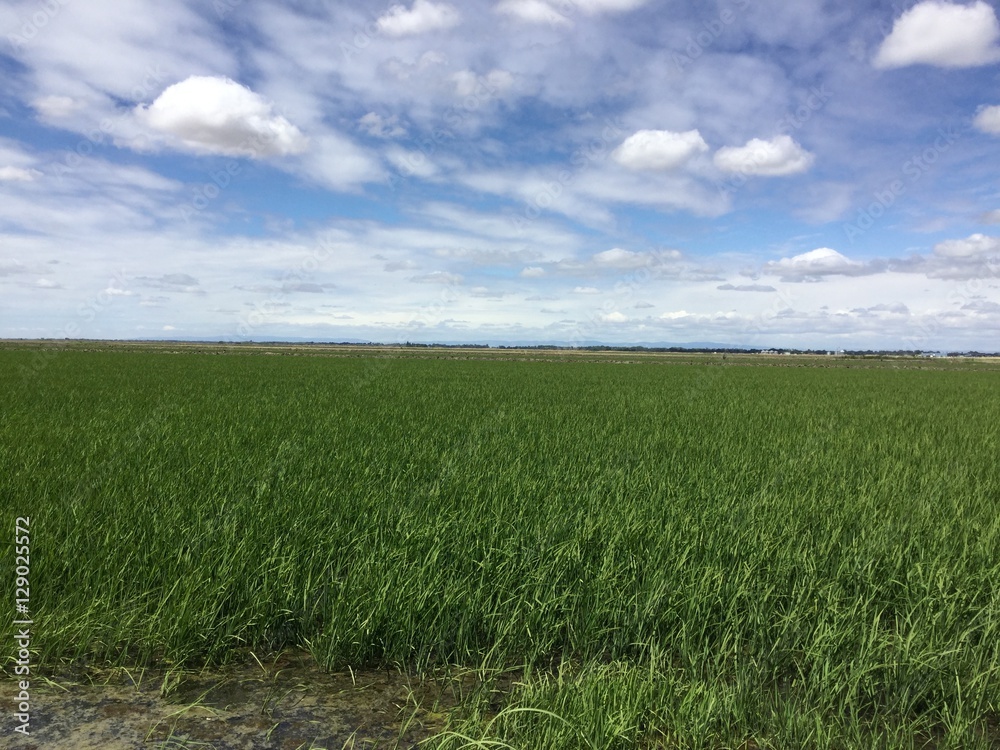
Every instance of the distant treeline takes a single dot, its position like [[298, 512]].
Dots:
[[656, 349]]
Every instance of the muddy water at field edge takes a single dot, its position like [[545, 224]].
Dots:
[[286, 703]]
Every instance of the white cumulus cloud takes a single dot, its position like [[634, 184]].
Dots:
[[774, 158], [659, 149], [214, 114], [823, 261], [944, 34], [988, 119], [532, 11], [532, 272], [973, 246], [557, 11], [422, 17], [616, 257], [607, 6]]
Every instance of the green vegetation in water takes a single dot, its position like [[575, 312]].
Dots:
[[661, 555]]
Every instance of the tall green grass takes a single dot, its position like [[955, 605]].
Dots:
[[668, 556]]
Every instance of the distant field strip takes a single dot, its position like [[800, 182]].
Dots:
[[665, 555]]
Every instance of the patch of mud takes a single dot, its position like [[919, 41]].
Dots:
[[287, 703]]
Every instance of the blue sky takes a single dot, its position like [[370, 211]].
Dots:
[[750, 172]]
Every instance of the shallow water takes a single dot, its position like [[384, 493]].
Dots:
[[285, 703]]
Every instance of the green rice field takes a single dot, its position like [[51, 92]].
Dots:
[[625, 552]]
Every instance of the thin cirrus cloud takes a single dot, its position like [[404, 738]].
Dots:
[[11, 267], [942, 34], [777, 157], [18, 174], [174, 282], [422, 17], [621, 259], [659, 149], [468, 83], [438, 277], [55, 107], [214, 114], [378, 126]]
